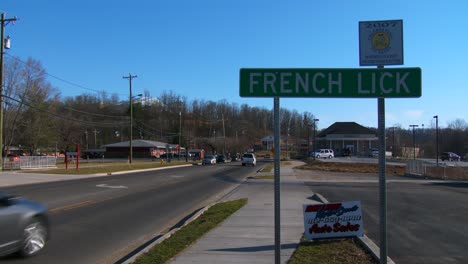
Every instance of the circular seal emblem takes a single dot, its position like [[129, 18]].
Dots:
[[380, 40]]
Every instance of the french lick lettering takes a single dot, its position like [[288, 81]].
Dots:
[[324, 83], [376, 85], [296, 83]]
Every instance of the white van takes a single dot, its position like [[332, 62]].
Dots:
[[249, 158], [324, 153]]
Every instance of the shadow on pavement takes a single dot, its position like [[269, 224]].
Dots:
[[257, 248], [451, 184]]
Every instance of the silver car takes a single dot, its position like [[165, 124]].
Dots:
[[209, 160], [24, 227], [249, 158]]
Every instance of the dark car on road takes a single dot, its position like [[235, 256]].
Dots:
[[450, 156], [24, 227]]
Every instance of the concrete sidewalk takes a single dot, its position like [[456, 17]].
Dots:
[[248, 235]]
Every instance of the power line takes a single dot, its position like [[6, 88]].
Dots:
[[160, 130], [100, 124], [78, 111], [56, 77]]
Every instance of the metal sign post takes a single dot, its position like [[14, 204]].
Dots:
[[382, 181], [276, 111], [381, 43]]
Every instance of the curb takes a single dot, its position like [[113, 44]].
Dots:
[[365, 240], [167, 235]]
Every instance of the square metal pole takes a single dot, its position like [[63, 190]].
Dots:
[[277, 182]]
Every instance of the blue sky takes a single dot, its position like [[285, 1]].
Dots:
[[196, 48]]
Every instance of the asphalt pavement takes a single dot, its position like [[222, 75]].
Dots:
[[248, 236]]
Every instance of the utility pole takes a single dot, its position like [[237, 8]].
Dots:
[[95, 138], [130, 77], [86, 137], [4, 21], [214, 140]]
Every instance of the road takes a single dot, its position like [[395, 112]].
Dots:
[[100, 220], [426, 220]]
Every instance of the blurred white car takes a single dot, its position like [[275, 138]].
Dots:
[[24, 227]]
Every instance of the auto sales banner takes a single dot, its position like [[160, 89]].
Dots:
[[333, 220]]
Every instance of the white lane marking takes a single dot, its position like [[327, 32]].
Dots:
[[177, 176], [111, 186]]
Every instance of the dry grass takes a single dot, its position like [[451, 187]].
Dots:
[[351, 167], [331, 251]]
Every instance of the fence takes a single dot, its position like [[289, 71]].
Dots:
[[431, 170], [417, 167], [30, 162]]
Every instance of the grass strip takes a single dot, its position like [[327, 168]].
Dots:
[[192, 232], [264, 177], [331, 251], [352, 167], [269, 167]]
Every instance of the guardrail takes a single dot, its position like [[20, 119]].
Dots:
[[30, 162]]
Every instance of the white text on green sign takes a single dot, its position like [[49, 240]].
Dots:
[[331, 83]]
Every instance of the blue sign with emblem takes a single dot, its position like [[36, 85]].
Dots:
[[381, 43]]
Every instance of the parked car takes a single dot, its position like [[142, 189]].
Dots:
[[450, 156], [324, 153], [92, 155], [374, 153], [24, 226], [13, 157], [249, 158], [209, 160], [220, 159]]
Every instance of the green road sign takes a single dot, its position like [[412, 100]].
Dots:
[[331, 83]]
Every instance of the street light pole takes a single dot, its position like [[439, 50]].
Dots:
[[308, 141], [130, 77], [315, 129], [180, 132], [393, 139], [437, 139], [414, 140], [4, 21], [287, 145]]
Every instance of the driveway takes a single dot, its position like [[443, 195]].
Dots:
[[426, 220]]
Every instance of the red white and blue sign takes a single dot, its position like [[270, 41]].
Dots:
[[332, 220]]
